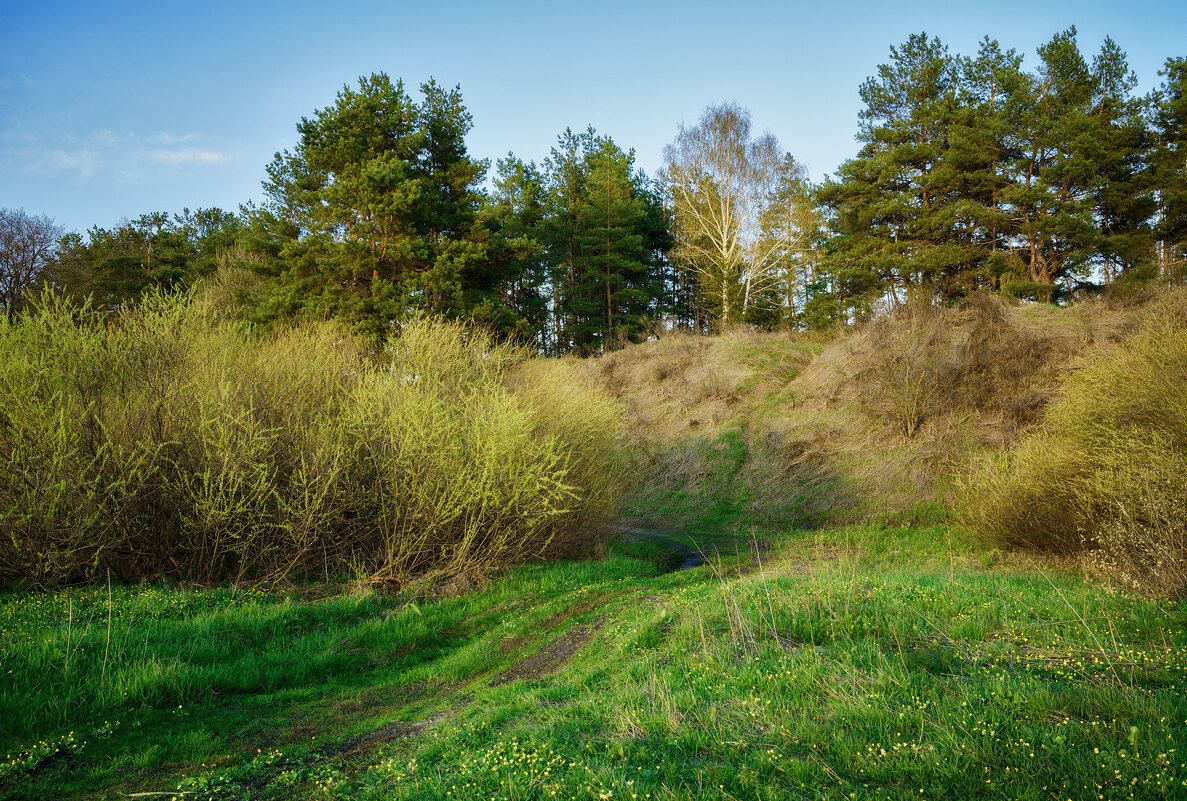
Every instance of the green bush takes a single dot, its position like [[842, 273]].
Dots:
[[1106, 474], [168, 440]]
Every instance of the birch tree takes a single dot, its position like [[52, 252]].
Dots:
[[721, 180], [792, 225]]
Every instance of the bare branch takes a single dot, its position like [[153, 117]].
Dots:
[[27, 244]]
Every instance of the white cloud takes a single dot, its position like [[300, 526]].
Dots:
[[111, 155], [166, 138], [185, 156], [82, 162], [109, 138]]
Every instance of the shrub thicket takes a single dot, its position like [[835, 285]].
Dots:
[[1105, 476], [168, 441]]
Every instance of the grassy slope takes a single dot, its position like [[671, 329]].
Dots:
[[866, 663], [789, 430]]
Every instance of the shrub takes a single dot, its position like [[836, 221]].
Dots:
[[169, 441], [1106, 474], [912, 373]]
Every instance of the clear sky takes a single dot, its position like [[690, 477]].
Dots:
[[110, 110]]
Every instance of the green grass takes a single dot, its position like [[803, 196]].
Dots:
[[864, 663]]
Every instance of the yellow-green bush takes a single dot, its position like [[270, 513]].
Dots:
[[167, 440], [1106, 473]]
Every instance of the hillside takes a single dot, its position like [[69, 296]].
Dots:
[[752, 429], [842, 638]]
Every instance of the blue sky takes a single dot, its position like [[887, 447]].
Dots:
[[111, 110]]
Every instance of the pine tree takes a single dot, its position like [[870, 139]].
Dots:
[[671, 299], [602, 235], [982, 145], [614, 262], [1170, 168], [564, 175], [896, 206], [517, 210], [975, 173], [1123, 195], [375, 212], [1052, 177]]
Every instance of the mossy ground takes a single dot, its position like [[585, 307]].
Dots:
[[859, 663]]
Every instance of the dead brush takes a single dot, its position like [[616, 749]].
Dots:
[[913, 373], [985, 358], [674, 356], [712, 386], [1103, 476]]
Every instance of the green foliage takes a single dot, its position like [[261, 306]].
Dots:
[[975, 173], [379, 212], [167, 441], [894, 200], [1105, 475], [1170, 130], [515, 211], [375, 212], [155, 251], [602, 235]]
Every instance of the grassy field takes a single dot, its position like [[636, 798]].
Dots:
[[868, 662]]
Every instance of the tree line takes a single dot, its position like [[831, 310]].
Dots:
[[974, 173]]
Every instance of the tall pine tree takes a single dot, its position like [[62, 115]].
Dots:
[[1170, 169], [602, 234], [376, 211], [895, 207]]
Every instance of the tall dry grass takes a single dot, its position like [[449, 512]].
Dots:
[[704, 427], [170, 441], [1105, 475], [870, 425]]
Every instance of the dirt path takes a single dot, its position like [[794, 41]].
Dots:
[[688, 550]]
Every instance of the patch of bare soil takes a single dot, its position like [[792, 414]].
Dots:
[[379, 697], [577, 610], [552, 656], [337, 714], [387, 733]]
